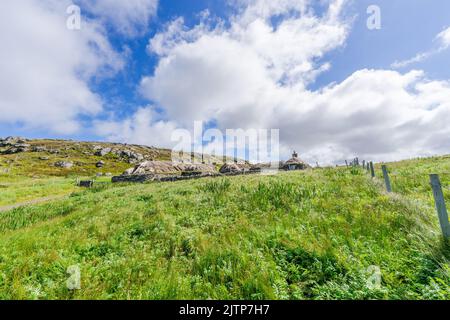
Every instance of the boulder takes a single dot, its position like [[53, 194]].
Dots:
[[38, 149], [103, 152], [86, 183], [64, 164], [100, 164], [128, 171], [132, 156]]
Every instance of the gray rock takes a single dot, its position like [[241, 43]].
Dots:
[[100, 164], [103, 152], [38, 149], [64, 164], [10, 141], [128, 171], [14, 150]]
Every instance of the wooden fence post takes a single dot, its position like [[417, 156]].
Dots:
[[440, 205], [372, 170], [364, 164], [386, 178], [346, 163]]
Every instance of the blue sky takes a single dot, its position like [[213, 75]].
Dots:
[[141, 86], [408, 27]]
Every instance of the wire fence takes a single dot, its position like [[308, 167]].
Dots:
[[403, 181]]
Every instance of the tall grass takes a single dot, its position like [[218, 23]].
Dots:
[[298, 235]]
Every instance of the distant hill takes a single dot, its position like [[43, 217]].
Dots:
[[47, 157]]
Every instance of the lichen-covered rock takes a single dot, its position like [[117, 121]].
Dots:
[[64, 164], [10, 141], [103, 152]]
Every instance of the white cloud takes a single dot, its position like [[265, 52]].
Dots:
[[46, 68], [129, 17], [212, 70], [444, 38], [443, 41], [253, 73], [139, 128]]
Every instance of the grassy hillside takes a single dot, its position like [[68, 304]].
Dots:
[[303, 235], [81, 154], [411, 177], [33, 174]]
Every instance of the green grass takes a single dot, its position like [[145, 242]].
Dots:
[[17, 189], [297, 235], [411, 177]]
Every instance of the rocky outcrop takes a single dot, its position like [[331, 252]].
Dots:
[[128, 155], [11, 141], [14, 145], [132, 156]]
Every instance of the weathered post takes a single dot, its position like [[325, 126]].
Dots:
[[346, 163], [386, 178], [440, 204], [364, 164], [372, 171]]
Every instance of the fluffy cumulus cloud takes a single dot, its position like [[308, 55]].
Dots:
[[128, 18], [253, 71], [142, 127], [46, 68]]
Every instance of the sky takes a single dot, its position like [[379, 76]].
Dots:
[[137, 71]]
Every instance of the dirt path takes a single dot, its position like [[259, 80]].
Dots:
[[30, 202]]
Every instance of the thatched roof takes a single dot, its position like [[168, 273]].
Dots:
[[167, 167], [295, 161], [233, 168]]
